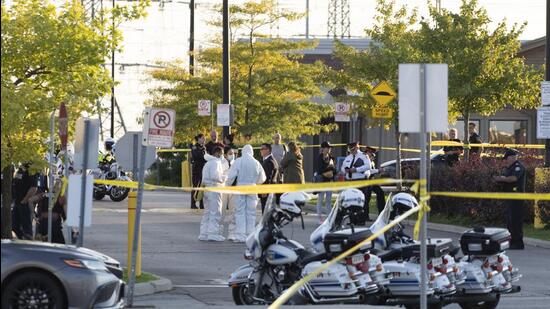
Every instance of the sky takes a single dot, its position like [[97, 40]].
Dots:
[[163, 35]]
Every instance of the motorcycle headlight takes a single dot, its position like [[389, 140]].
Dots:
[[87, 264]]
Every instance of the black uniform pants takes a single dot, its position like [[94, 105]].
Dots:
[[21, 217], [515, 216], [380, 200], [197, 179]]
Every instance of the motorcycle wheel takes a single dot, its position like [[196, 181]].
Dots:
[[118, 194], [430, 306], [98, 195], [241, 296], [481, 305]]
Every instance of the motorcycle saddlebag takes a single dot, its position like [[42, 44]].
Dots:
[[435, 248], [340, 241], [484, 241]]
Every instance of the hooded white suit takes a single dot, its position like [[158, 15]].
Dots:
[[212, 176], [247, 171]]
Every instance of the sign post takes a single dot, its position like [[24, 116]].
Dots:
[[423, 108], [158, 131]]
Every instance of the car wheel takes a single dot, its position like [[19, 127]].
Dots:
[[33, 289]]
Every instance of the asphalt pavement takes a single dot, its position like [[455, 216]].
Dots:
[[199, 270]]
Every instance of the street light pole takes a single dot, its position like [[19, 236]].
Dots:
[[226, 81], [547, 151], [192, 37], [113, 81]]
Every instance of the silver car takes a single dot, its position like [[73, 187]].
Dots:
[[44, 275]]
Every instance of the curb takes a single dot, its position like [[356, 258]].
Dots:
[[152, 287]]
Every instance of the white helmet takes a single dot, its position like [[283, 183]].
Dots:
[[292, 202], [108, 143], [402, 202], [351, 197]]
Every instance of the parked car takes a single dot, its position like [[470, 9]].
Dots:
[[44, 275], [409, 164]]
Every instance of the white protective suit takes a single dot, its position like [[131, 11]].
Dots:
[[247, 171], [212, 176]]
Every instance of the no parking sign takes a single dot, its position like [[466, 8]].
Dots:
[[158, 129]]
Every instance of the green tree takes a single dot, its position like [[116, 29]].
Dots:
[[49, 55], [485, 74], [270, 88]]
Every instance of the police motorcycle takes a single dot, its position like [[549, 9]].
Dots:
[[108, 169], [277, 262], [401, 266], [480, 276]]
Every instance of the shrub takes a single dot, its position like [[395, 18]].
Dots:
[[542, 185], [477, 176]]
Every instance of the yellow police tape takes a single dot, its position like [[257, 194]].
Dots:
[[487, 145], [496, 195], [260, 189], [296, 286]]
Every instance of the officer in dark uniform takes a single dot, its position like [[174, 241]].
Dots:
[[513, 180], [197, 159], [24, 186]]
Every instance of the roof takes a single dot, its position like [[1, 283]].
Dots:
[[532, 44], [326, 45]]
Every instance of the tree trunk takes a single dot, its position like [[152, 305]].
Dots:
[[466, 137], [7, 177], [398, 156]]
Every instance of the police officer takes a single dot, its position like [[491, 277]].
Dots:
[[197, 159], [513, 180], [24, 186]]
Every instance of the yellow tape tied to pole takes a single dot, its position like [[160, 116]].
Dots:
[[294, 288]]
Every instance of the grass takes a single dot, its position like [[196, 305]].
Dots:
[[145, 277]]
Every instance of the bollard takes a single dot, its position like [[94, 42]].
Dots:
[[132, 202], [186, 173]]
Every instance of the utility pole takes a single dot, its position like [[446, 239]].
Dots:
[[547, 149], [226, 81], [307, 19], [113, 81], [192, 37]]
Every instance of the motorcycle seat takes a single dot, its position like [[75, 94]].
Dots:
[[305, 256], [388, 255]]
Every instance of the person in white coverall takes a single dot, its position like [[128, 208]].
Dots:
[[247, 171], [212, 176]]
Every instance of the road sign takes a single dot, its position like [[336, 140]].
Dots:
[[543, 122], [382, 93], [125, 150], [545, 93], [410, 97], [341, 112], [158, 128], [224, 113], [63, 124], [74, 200], [86, 143], [382, 112], [205, 107]]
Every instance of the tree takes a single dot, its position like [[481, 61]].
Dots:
[[485, 74], [49, 55], [270, 89]]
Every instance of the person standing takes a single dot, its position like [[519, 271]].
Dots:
[[357, 166], [197, 159], [227, 161], [213, 142], [212, 176], [24, 186], [278, 150], [271, 170], [228, 141], [246, 171], [452, 153], [325, 172], [513, 180], [474, 139], [292, 165], [380, 197]]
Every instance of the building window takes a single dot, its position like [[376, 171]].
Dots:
[[459, 126], [508, 131]]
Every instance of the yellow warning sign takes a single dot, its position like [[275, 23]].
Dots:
[[382, 112], [382, 93]]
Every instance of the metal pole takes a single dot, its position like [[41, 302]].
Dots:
[[83, 188], [547, 143], [226, 63], [307, 19], [136, 227], [192, 37], [113, 82], [50, 176], [68, 230], [423, 170], [380, 137]]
